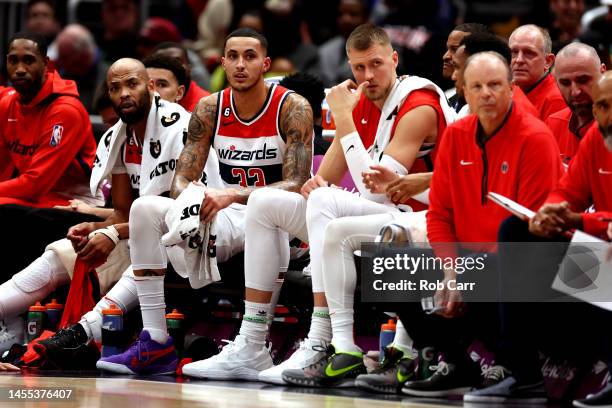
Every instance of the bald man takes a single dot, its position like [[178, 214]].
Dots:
[[497, 149], [577, 67], [531, 62], [146, 121], [530, 269]]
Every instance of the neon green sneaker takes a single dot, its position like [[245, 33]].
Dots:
[[390, 377], [335, 369]]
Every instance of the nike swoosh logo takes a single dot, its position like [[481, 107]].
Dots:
[[152, 357], [350, 147], [604, 172], [364, 122], [401, 377], [465, 163], [330, 372]]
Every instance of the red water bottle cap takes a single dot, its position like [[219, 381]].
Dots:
[[389, 326], [54, 305], [112, 310], [37, 308], [175, 315]]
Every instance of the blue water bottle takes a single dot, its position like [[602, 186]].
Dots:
[[54, 314], [112, 331], [387, 334]]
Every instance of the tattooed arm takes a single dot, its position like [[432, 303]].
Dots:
[[195, 153]]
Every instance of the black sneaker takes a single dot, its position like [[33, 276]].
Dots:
[[602, 399], [511, 392], [493, 375], [69, 348], [335, 369], [446, 381], [389, 378]]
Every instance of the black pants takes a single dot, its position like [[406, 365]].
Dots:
[[453, 336], [27, 231], [547, 321]]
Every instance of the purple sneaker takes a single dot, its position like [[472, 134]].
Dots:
[[144, 357]]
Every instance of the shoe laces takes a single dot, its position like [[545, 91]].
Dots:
[[65, 337], [441, 368], [495, 373], [229, 346]]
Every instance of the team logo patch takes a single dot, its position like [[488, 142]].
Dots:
[[56, 135], [170, 120], [107, 138], [505, 167], [155, 148]]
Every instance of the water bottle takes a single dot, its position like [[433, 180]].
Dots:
[[54, 314], [176, 329], [36, 321], [387, 333], [112, 331]]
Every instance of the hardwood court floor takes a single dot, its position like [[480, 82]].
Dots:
[[95, 391]]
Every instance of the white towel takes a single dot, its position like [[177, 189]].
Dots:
[[161, 146], [196, 238], [401, 89]]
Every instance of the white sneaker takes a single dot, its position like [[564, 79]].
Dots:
[[239, 360], [309, 352], [11, 332]]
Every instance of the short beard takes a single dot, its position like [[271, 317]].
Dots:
[[138, 114]]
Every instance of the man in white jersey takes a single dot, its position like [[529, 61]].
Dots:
[[263, 136], [146, 119], [273, 213]]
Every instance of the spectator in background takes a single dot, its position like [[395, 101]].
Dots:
[[154, 31], [577, 67], [193, 93], [252, 19], [40, 18], [213, 26], [598, 34], [288, 35], [332, 55], [168, 75], [532, 60], [311, 88], [102, 104], [78, 58], [565, 26], [120, 29]]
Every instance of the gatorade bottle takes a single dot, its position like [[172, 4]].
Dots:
[[176, 328], [36, 321], [387, 333], [54, 314], [112, 331]]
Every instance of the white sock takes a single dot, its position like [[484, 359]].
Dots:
[[320, 325], [342, 329], [255, 322], [402, 340], [153, 306], [122, 295]]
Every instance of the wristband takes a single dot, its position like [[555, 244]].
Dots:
[[112, 234]]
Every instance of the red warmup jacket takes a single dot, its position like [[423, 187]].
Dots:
[[587, 182], [546, 97], [192, 97], [48, 142], [520, 161], [521, 100], [568, 136]]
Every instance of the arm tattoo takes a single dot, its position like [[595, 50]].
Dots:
[[296, 124], [193, 158]]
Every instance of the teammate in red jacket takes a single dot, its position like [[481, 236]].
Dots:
[[588, 177], [577, 66], [45, 133], [531, 62]]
